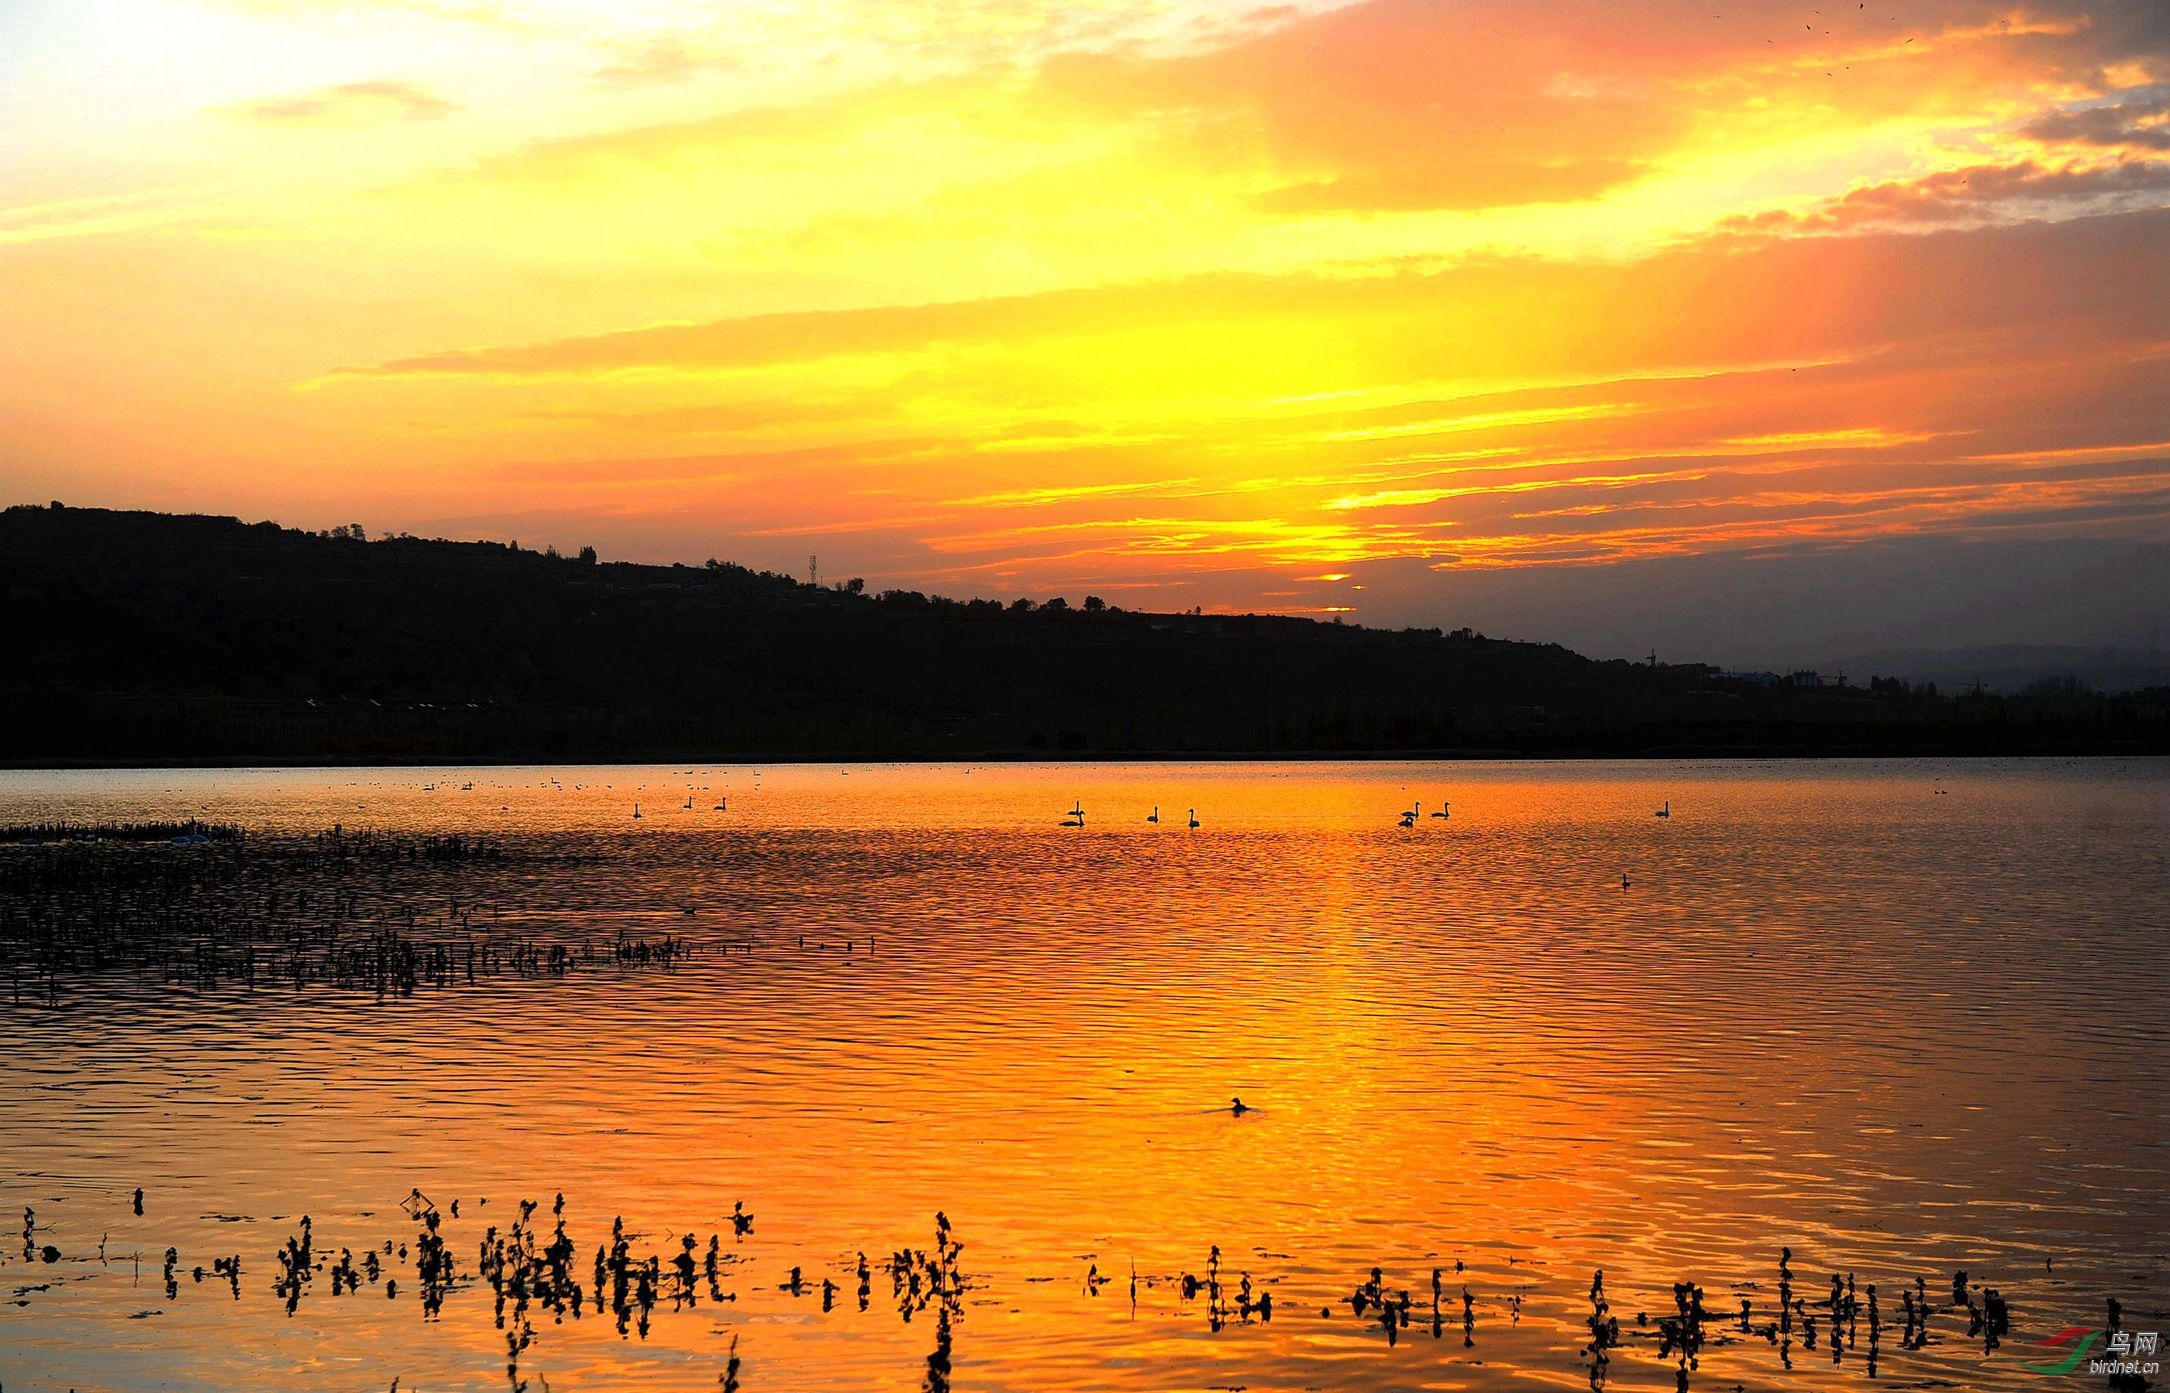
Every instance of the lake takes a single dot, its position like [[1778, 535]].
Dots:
[[1905, 1018]]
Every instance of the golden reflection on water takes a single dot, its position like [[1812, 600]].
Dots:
[[1904, 1018]]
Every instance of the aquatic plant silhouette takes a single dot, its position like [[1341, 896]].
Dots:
[[193, 830], [530, 1269], [1604, 1330], [367, 911]]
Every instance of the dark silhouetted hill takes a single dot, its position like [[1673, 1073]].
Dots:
[[141, 637]]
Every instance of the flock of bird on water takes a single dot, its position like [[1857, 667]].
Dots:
[[319, 909], [1075, 817], [1407, 820]]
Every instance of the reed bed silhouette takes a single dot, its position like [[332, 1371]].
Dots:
[[38, 833], [372, 911], [530, 1274]]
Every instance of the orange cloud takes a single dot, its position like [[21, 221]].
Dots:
[[1673, 311], [2135, 121], [349, 103], [1455, 186], [1977, 191]]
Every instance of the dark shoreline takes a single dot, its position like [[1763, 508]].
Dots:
[[143, 640], [1483, 755]]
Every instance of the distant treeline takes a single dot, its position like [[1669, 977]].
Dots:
[[147, 638]]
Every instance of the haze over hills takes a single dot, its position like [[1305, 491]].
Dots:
[[1866, 608], [2014, 667], [143, 637]]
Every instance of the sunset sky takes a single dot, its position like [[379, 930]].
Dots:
[[1807, 324]]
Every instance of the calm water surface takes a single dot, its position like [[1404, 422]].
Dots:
[[1903, 1017]]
